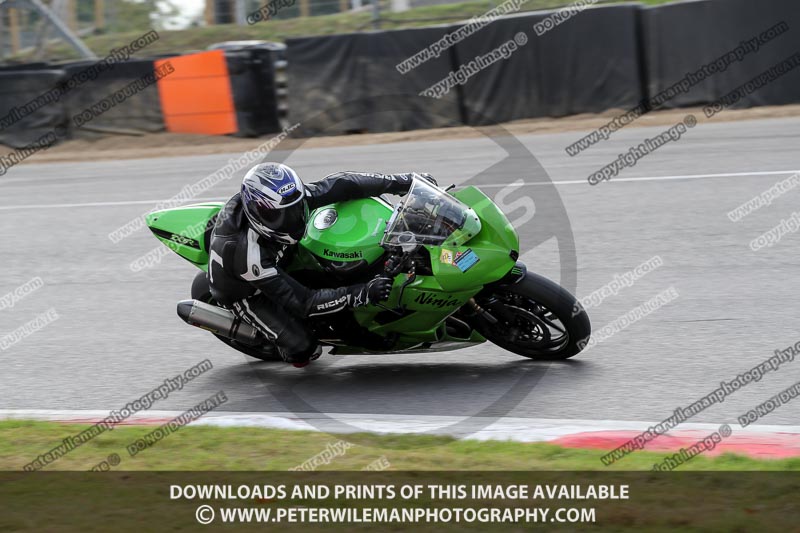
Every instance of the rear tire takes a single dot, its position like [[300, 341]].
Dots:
[[540, 319], [267, 352]]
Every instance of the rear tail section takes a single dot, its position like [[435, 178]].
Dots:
[[186, 230]]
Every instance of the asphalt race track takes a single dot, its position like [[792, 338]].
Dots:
[[118, 335]]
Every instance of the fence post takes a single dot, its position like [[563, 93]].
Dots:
[[99, 14], [13, 29], [376, 14]]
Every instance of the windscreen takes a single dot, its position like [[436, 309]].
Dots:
[[427, 215]]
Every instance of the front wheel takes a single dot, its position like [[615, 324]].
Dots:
[[536, 318]]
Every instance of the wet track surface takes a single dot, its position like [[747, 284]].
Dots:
[[118, 335]]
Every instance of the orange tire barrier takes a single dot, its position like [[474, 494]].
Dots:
[[197, 96]]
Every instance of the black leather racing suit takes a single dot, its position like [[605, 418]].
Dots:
[[246, 269]]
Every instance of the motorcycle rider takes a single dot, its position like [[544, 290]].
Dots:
[[254, 239]]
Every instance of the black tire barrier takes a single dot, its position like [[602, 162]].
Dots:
[[326, 71], [620, 56], [23, 117], [681, 38]]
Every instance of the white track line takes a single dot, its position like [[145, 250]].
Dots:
[[516, 429], [483, 186], [104, 204], [655, 178]]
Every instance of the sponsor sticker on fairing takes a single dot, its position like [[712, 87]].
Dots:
[[466, 260], [446, 257]]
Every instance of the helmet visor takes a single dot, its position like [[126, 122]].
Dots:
[[289, 220]]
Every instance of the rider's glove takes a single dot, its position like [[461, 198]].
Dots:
[[378, 289], [429, 178], [401, 183]]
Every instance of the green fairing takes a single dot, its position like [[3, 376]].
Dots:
[[189, 222], [355, 235], [493, 244]]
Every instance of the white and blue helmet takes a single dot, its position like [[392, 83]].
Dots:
[[273, 201]]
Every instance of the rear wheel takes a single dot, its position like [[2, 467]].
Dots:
[[266, 352], [536, 318]]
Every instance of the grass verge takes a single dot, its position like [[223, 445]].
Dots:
[[205, 448], [181, 41]]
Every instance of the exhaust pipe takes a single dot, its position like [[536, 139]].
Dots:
[[218, 321]]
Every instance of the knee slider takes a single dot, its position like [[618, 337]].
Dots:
[[298, 350]]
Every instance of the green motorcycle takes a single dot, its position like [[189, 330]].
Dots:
[[454, 261]]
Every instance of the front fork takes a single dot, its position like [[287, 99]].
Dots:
[[489, 308]]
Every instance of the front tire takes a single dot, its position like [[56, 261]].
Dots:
[[537, 319]]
